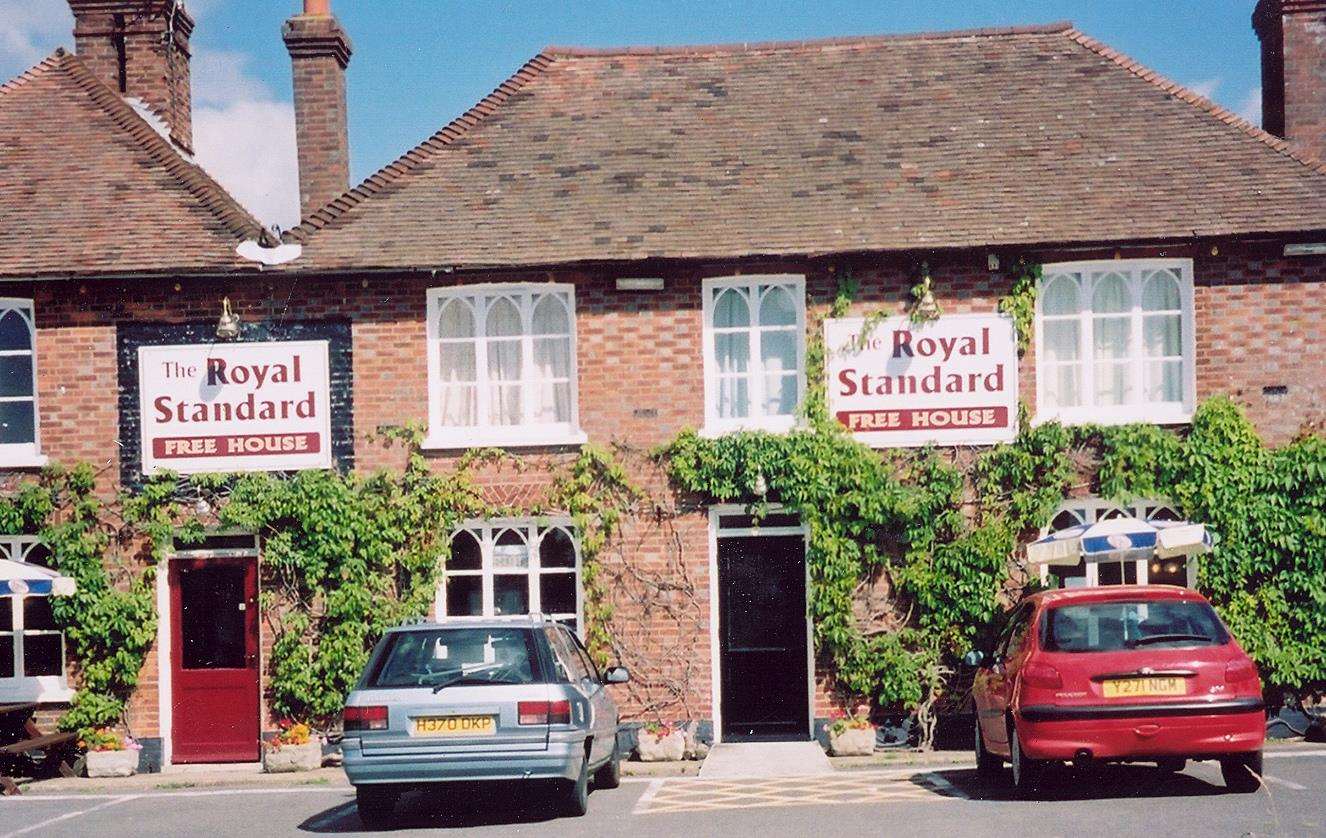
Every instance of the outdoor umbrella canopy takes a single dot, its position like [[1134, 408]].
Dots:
[[20, 578], [1121, 539]]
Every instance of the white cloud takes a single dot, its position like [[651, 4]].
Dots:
[[1205, 87], [1251, 106], [243, 135]]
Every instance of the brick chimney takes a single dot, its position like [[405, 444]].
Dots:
[[1293, 36], [141, 49], [319, 52]]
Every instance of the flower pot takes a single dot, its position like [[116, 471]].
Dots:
[[287, 758], [655, 748], [852, 742], [112, 763]]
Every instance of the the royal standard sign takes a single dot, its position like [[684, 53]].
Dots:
[[952, 381], [235, 407]]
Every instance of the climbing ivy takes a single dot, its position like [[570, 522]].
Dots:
[[1020, 302]]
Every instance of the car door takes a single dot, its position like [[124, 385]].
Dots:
[[575, 671], [605, 709], [995, 680]]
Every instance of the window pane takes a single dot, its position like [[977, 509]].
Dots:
[[1111, 337], [38, 554], [43, 654], [16, 375], [510, 552], [778, 351], [1164, 381], [14, 332], [504, 366], [460, 405], [465, 596], [465, 553], [552, 358], [550, 316], [456, 320], [6, 614], [503, 319], [1063, 340], [731, 309], [457, 361], [557, 593], [504, 360], [1111, 295], [732, 352], [511, 594], [1112, 383], [1160, 335], [556, 549], [1060, 296], [1161, 292], [37, 614], [6, 656], [1117, 573], [733, 398], [1063, 386], [212, 624], [780, 395], [1168, 572], [552, 403], [1069, 576], [777, 308], [16, 423]]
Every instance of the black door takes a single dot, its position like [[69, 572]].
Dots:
[[762, 637]]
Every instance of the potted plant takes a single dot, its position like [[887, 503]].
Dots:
[[109, 754], [851, 736], [293, 748], [660, 742]]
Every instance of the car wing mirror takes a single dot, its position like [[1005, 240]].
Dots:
[[617, 675], [974, 659]]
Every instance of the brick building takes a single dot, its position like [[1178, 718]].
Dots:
[[616, 245]]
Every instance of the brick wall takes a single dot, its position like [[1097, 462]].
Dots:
[[1259, 318]]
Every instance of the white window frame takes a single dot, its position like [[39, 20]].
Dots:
[[1091, 510], [24, 454], [486, 532], [40, 688], [482, 433], [1135, 270], [715, 425]]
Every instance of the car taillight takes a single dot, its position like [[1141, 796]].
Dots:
[[1240, 670], [1041, 675], [364, 718], [544, 712]]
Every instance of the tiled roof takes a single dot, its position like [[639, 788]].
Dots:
[[88, 186], [992, 137]]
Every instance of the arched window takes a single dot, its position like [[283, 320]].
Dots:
[[1113, 342], [754, 351], [511, 567], [19, 425]]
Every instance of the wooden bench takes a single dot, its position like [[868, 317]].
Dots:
[[50, 744]]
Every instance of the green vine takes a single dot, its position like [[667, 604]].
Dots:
[[1020, 302]]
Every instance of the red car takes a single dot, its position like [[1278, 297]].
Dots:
[[1124, 673]]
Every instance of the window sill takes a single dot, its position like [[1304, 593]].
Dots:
[[1165, 414], [779, 425], [40, 690], [513, 438], [23, 461]]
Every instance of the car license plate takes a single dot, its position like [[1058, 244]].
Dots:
[[1125, 687], [455, 725]]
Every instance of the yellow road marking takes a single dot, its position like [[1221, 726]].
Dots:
[[700, 796]]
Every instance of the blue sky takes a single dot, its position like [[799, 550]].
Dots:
[[418, 63]]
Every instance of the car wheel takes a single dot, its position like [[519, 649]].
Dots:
[[1172, 765], [1243, 772], [609, 775], [376, 804], [575, 803], [987, 764], [1026, 771]]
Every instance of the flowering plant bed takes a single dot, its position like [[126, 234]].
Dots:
[[851, 736], [109, 754], [293, 748], [660, 742]]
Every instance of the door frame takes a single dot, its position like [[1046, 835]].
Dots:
[[715, 648], [165, 633]]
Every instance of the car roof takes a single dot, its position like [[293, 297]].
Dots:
[[1114, 593], [515, 621]]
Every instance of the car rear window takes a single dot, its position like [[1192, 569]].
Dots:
[[432, 657], [1115, 626]]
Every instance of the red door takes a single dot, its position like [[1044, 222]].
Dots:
[[214, 660]]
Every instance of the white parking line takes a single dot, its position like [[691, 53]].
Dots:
[[1293, 753], [39, 797], [642, 805], [1289, 784], [68, 815]]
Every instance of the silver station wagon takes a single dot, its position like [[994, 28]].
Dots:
[[499, 699]]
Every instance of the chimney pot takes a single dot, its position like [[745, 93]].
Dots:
[[317, 8]]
